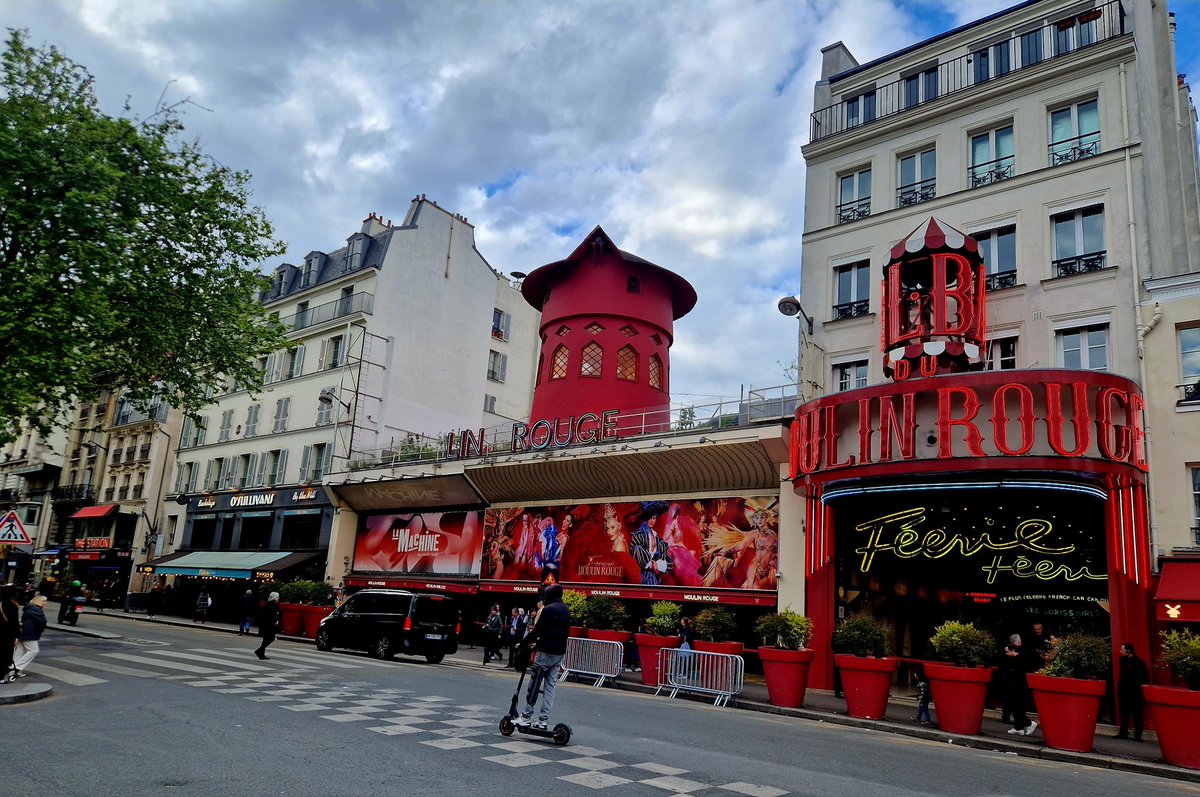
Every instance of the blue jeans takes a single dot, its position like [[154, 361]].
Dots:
[[923, 713], [245, 626]]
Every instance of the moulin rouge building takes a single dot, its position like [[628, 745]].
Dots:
[[1001, 497]]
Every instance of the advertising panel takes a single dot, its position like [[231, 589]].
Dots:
[[426, 543], [714, 543]]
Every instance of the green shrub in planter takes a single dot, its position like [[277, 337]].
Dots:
[[664, 618], [1181, 655], [314, 593], [577, 604], [1081, 656], [605, 614], [861, 635], [716, 624], [963, 644], [786, 630]]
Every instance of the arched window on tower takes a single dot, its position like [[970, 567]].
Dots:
[[627, 364], [593, 360], [558, 369], [656, 372]]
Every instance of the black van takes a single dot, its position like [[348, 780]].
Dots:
[[386, 622]]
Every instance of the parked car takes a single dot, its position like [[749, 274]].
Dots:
[[387, 622]]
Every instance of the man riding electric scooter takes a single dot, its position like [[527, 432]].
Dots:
[[549, 633]]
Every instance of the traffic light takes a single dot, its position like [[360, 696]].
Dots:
[[56, 568]]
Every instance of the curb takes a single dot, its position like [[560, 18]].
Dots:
[[26, 693]]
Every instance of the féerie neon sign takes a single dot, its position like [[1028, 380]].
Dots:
[[900, 534]]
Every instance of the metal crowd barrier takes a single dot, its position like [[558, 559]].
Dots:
[[595, 657], [719, 674]]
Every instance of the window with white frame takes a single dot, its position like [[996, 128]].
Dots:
[[1002, 354], [1083, 348], [852, 290], [295, 362], [1189, 363], [226, 426], [497, 366], [1075, 32], [854, 196], [501, 323], [850, 376], [992, 157], [1079, 241], [921, 87], [246, 465], [281, 415], [918, 178], [1074, 132], [314, 462], [998, 248], [992, 61], [861, 109], [333, 353], [276, 467], [1031, 47]]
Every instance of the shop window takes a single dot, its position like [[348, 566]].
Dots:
[[992, 158], [592, 361], [656, 372], [627, 364], [1083, 348], [1079, 242], [998, 248], [850, 376], [559, 366]]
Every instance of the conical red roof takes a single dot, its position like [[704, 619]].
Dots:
[[933, 235]]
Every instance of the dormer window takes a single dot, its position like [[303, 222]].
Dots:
[[358, 249]]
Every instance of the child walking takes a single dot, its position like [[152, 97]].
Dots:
[[923, 699]]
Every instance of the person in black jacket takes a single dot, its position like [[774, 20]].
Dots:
[[1134, 673], [10, 629], [268, 624], [33, 623], [549, 633]]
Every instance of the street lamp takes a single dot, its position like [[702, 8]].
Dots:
[[328, 396], [790, 306]]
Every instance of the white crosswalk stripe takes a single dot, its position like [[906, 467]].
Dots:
[[233, 659], [226, 664], [323, 659], [170, 665], [66, 676], [107, 666]]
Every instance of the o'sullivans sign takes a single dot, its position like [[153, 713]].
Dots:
[[1046, 413]]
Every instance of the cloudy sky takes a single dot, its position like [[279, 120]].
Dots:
[[674, 124]]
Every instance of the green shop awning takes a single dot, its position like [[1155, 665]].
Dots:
[[228, 564]]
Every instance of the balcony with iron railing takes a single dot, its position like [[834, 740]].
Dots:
[[916, 193], [1189, 392], [1001, 279], [853, 210], [1080, 264], [78, 493], [992, 171], [1059, 39], [331, 311], [128, 414], [851, 309], [1074, 149]]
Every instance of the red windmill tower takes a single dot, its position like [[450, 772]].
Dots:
[[607, 330]]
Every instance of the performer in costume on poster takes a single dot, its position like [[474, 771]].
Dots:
[[547, 552], [686, 570], [649, 549]]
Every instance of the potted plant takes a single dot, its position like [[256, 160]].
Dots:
[[785, 656], [860, 647], [577, 604], [714, 627], [662, 624], [291, 607], [606, 620], [1067, 691], [1175, 712], [960, 687], [318, 603]]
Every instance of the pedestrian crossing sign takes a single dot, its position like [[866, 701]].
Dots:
[[12, 532]]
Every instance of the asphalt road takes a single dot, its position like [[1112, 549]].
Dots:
[[187, 711]]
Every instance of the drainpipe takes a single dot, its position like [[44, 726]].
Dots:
[[1143, 329]]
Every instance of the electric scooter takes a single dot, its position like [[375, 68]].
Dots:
[[560, 733]]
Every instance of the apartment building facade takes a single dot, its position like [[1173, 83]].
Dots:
[[1053, 134], [403, 334]]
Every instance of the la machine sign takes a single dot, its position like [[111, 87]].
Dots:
[[1049, 413]]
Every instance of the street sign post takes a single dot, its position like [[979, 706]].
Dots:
[[12, 532]]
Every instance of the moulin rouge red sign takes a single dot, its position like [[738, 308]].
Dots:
[[1046, 413]]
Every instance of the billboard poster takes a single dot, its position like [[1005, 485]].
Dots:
[[715, 543], [425, 543]]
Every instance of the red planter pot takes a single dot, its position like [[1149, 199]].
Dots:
[[959, 693], [624, 637], [730, 648], [292, 619], [1176, 716], [313, 615], [577, 631], [648, 647], [787, 675], [1067, 708], [866, 683]]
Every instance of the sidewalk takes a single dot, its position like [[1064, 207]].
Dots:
[[820, 706]]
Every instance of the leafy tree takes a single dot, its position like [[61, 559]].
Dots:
[[129, 254]]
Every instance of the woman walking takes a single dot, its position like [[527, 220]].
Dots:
[[268, 624], [33, 623]]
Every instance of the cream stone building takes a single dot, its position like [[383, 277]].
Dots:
[[1058, 135]]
